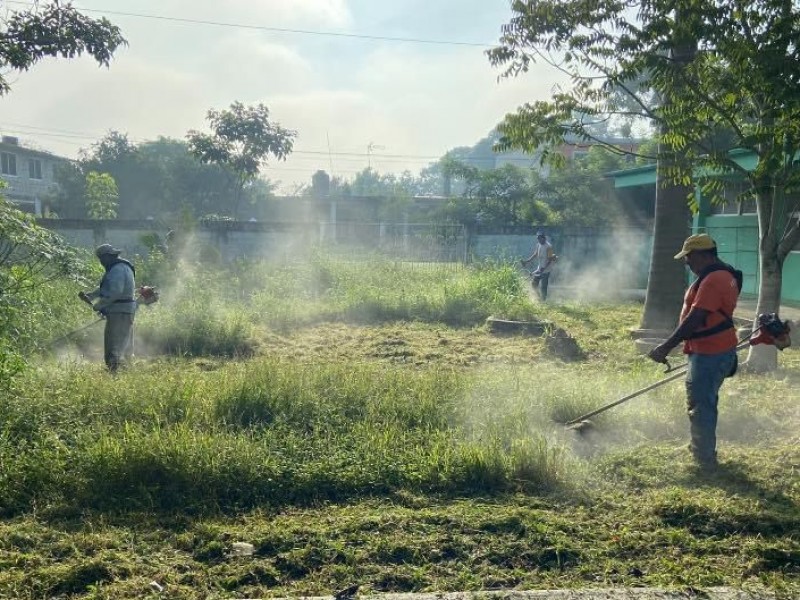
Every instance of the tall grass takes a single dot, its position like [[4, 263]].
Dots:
[[262, 432], [168, 436]]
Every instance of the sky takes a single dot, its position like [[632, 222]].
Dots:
[[409, 101]]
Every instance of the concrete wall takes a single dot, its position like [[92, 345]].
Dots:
[[588, 258]]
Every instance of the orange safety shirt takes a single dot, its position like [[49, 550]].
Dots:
[[717, 294]]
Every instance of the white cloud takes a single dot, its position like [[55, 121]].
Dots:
[[412, 99], [247, 67], [408, 101], [277, 13]]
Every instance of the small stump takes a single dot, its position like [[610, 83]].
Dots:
[[500, 326]]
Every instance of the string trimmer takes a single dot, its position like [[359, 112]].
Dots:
[[145, 295], [770, 331], [73, 332]]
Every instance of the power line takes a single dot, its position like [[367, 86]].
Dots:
[[20, 129], [71, 137], [357, 36]]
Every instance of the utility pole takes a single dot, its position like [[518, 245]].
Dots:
[[370, 147]]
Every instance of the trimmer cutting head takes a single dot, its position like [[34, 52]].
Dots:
[[581, 427]]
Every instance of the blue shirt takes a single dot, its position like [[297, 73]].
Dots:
[[115, 294]]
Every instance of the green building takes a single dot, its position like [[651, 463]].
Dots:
[[733, 225]]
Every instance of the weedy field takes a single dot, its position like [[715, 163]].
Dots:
[[298, 429]]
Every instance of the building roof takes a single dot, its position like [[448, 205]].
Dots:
[[20, 149], [646, 174]]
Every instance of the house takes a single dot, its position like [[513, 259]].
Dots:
[[733, 224], [483, 156], [29, 175]]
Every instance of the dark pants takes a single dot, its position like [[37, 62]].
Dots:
[[540, 283], [118, 339], [703, 380]]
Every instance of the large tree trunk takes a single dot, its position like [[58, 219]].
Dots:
[[666, 281], [667, 278], [763, 358]]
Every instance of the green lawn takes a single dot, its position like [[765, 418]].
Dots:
[[360, 432]]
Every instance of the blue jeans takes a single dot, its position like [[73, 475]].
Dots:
[[703, 380]]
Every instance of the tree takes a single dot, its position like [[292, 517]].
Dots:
[[157, 179], [579, 194], [53, 30], [102, 195], [501, 197], [30, 256], [620, 70], [714, 77], [242, 139]]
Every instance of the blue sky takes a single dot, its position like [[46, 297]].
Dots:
[[412, 99]]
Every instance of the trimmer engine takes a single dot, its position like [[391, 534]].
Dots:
[[772, 331], [147, 295]]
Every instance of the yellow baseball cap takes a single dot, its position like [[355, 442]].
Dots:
[[701, 241]]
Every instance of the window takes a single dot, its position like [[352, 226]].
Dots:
[[736, 200], [8, 163], [34, 168], [748, 206], [579, 154]]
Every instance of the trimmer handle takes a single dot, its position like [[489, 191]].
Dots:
[[85, 298]]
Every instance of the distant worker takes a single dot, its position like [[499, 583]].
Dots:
[[706, 327], [545, 257], [165, 245], [116, 303]]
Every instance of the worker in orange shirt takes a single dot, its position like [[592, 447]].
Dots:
[[709, 339]]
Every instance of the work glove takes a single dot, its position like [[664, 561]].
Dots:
[[659, 353]]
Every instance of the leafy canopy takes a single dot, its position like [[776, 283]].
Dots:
[[53, 30], [735, 63], [29, 254], [242, 138], [102, 195]]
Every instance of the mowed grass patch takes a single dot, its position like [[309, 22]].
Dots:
[[170, 434], [738, 528], [203, 313]]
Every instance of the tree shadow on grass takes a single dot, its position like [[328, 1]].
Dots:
[[777, 516]]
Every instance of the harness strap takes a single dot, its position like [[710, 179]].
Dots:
[[728, 322]]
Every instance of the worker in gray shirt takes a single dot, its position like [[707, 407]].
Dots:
[[115, 301]]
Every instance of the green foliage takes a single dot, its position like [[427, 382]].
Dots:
[[576, 194], [102, 195], [32, 260], [242, 139], [53, 30], [704, 74], [158, 178]]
